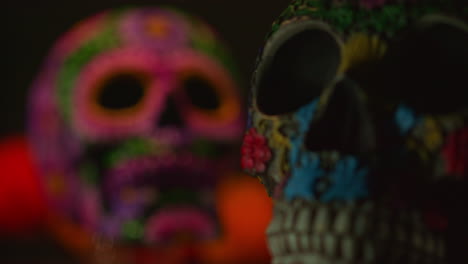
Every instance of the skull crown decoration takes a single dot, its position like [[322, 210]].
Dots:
[[357, 127], [134, 116]]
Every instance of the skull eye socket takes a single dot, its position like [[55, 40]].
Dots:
[[201, 92], [429, 66], [207, 95], [297, 71], [121, 91]]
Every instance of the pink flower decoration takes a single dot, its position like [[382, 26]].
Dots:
[[455, 153], [255, 152]]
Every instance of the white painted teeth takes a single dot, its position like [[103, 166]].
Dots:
[[304, 241], [292, 242], [330, 246], [342, 222], [303, 221], [349, 233], [321, 220], [289, 221], [348, 248], [360, 224]]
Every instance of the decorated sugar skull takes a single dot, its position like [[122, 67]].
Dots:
[[358, 129], [133, 117]]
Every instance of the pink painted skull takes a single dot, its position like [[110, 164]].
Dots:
[[133, 117]]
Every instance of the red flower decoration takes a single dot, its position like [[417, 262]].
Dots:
[[255, 152], [455, 153]]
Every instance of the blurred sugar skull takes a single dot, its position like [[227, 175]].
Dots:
[[133, 116], [358, 128]]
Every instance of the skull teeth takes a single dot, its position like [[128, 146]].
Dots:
[[354, 232]]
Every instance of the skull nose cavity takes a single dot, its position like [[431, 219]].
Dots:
[[296, 71], [344, 125], [170, 117]]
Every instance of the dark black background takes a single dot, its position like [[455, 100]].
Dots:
[[30, 27]]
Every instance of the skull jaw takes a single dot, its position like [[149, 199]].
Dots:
[[157, 200], [180, 224], [365, 232]]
